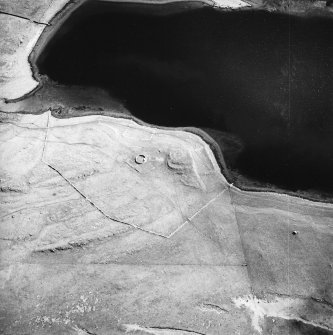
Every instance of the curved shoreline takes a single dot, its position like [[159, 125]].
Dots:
[[59, 17], [216, 150], [62, 15]]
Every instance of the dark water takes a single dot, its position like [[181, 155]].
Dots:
[[265, 77]]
